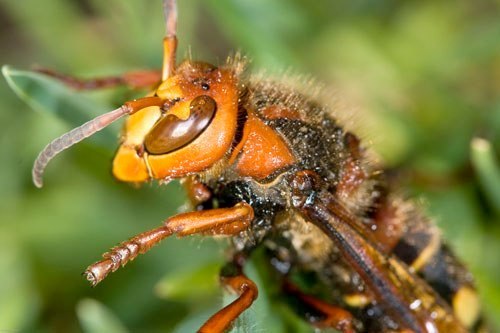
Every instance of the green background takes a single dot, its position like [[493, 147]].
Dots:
[[419, 78]]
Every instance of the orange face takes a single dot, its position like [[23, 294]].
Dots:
[[192, 132]]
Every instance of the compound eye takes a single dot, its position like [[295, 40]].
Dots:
[[172, 133]]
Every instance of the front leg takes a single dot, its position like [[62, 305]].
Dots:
[[221, 221]]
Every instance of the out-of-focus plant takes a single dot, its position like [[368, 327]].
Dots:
[[421, 79]]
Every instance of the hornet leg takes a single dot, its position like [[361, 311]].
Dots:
[[330, 316], [232, 278], [221, 221]]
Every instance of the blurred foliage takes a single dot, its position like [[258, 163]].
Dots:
[[421, 79]]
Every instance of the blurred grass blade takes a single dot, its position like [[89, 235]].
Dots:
[[47, 95], [96, 318], [195, 283], [19, 299], [193, 321], [487, 170]]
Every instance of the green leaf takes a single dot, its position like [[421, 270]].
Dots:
[[96, 318], [47, 95], [487, 170]]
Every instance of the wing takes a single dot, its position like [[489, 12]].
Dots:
[[409, 300]]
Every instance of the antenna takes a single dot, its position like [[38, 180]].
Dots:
[[170, 40], [71, 138], [84, 131], [170, 12]]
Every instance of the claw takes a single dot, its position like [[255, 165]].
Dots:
[[97, 272]]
